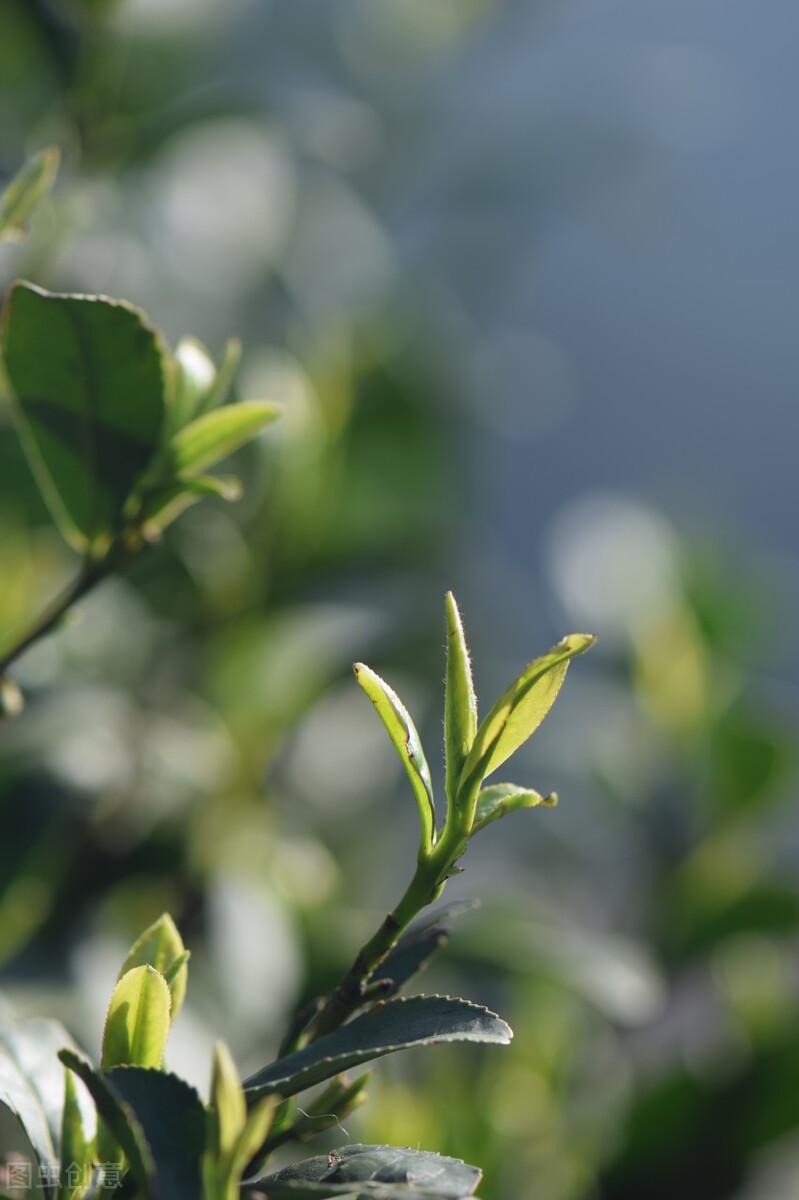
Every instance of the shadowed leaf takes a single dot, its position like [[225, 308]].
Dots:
[[383, 1172], [87, 379], [25, 191], [390, 1026]]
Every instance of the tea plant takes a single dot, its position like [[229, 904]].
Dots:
[[118, 432]]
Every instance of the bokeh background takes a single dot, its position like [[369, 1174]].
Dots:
[[523, 276]]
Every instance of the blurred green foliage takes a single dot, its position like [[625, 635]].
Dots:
[[644, 943]]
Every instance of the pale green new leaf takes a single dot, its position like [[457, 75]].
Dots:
[[218, 393], [227, 1101], [87, 379], [389, 1026], [194, 378], [165, 504], [77, 1148], [161, 947], [402, 731], [501, 798], [521, 709], [26, 190], [216, 434], [118, 1119], [137, 1023], [460, 702]]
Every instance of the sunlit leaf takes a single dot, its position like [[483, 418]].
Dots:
[[402, 731], [25, 191], [161, 947], [76, 1145], [383, 1172], [460, 702], [228, 1105], [33, 1043], [501, 798], [388, 1027], [165, 504], [216, 434], [521, 709], [137, 1023], [194, 378], [86, 377]]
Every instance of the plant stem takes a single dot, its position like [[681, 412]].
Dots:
[[89, 576], [348, 994]]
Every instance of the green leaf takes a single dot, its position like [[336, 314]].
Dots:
[[194, 378], [521, 709], [87, 379], [226, 373], [390, 1026], [494, 802], [118, 1118], [19, 1096], [402, 731], [460, 702], [161, 947], [415, 948], [373, 1171], [227, 1101], [137, 1023], [171, 1117], [76, 1147], [215, 435], [166, 503], [25, 191], [33, 1045]]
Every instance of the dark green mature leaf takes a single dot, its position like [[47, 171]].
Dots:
[[172, 1118], [118, 1116], [26, 189], [390, 1026], [460, 702], [402, 731], [501, 798], [416, 947], [521, 708], [373, 1171], [33, 1044], [87, 375], [215, 435]]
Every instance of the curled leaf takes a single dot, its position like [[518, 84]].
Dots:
[[402, 731], [460, 702], [501, 798]]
